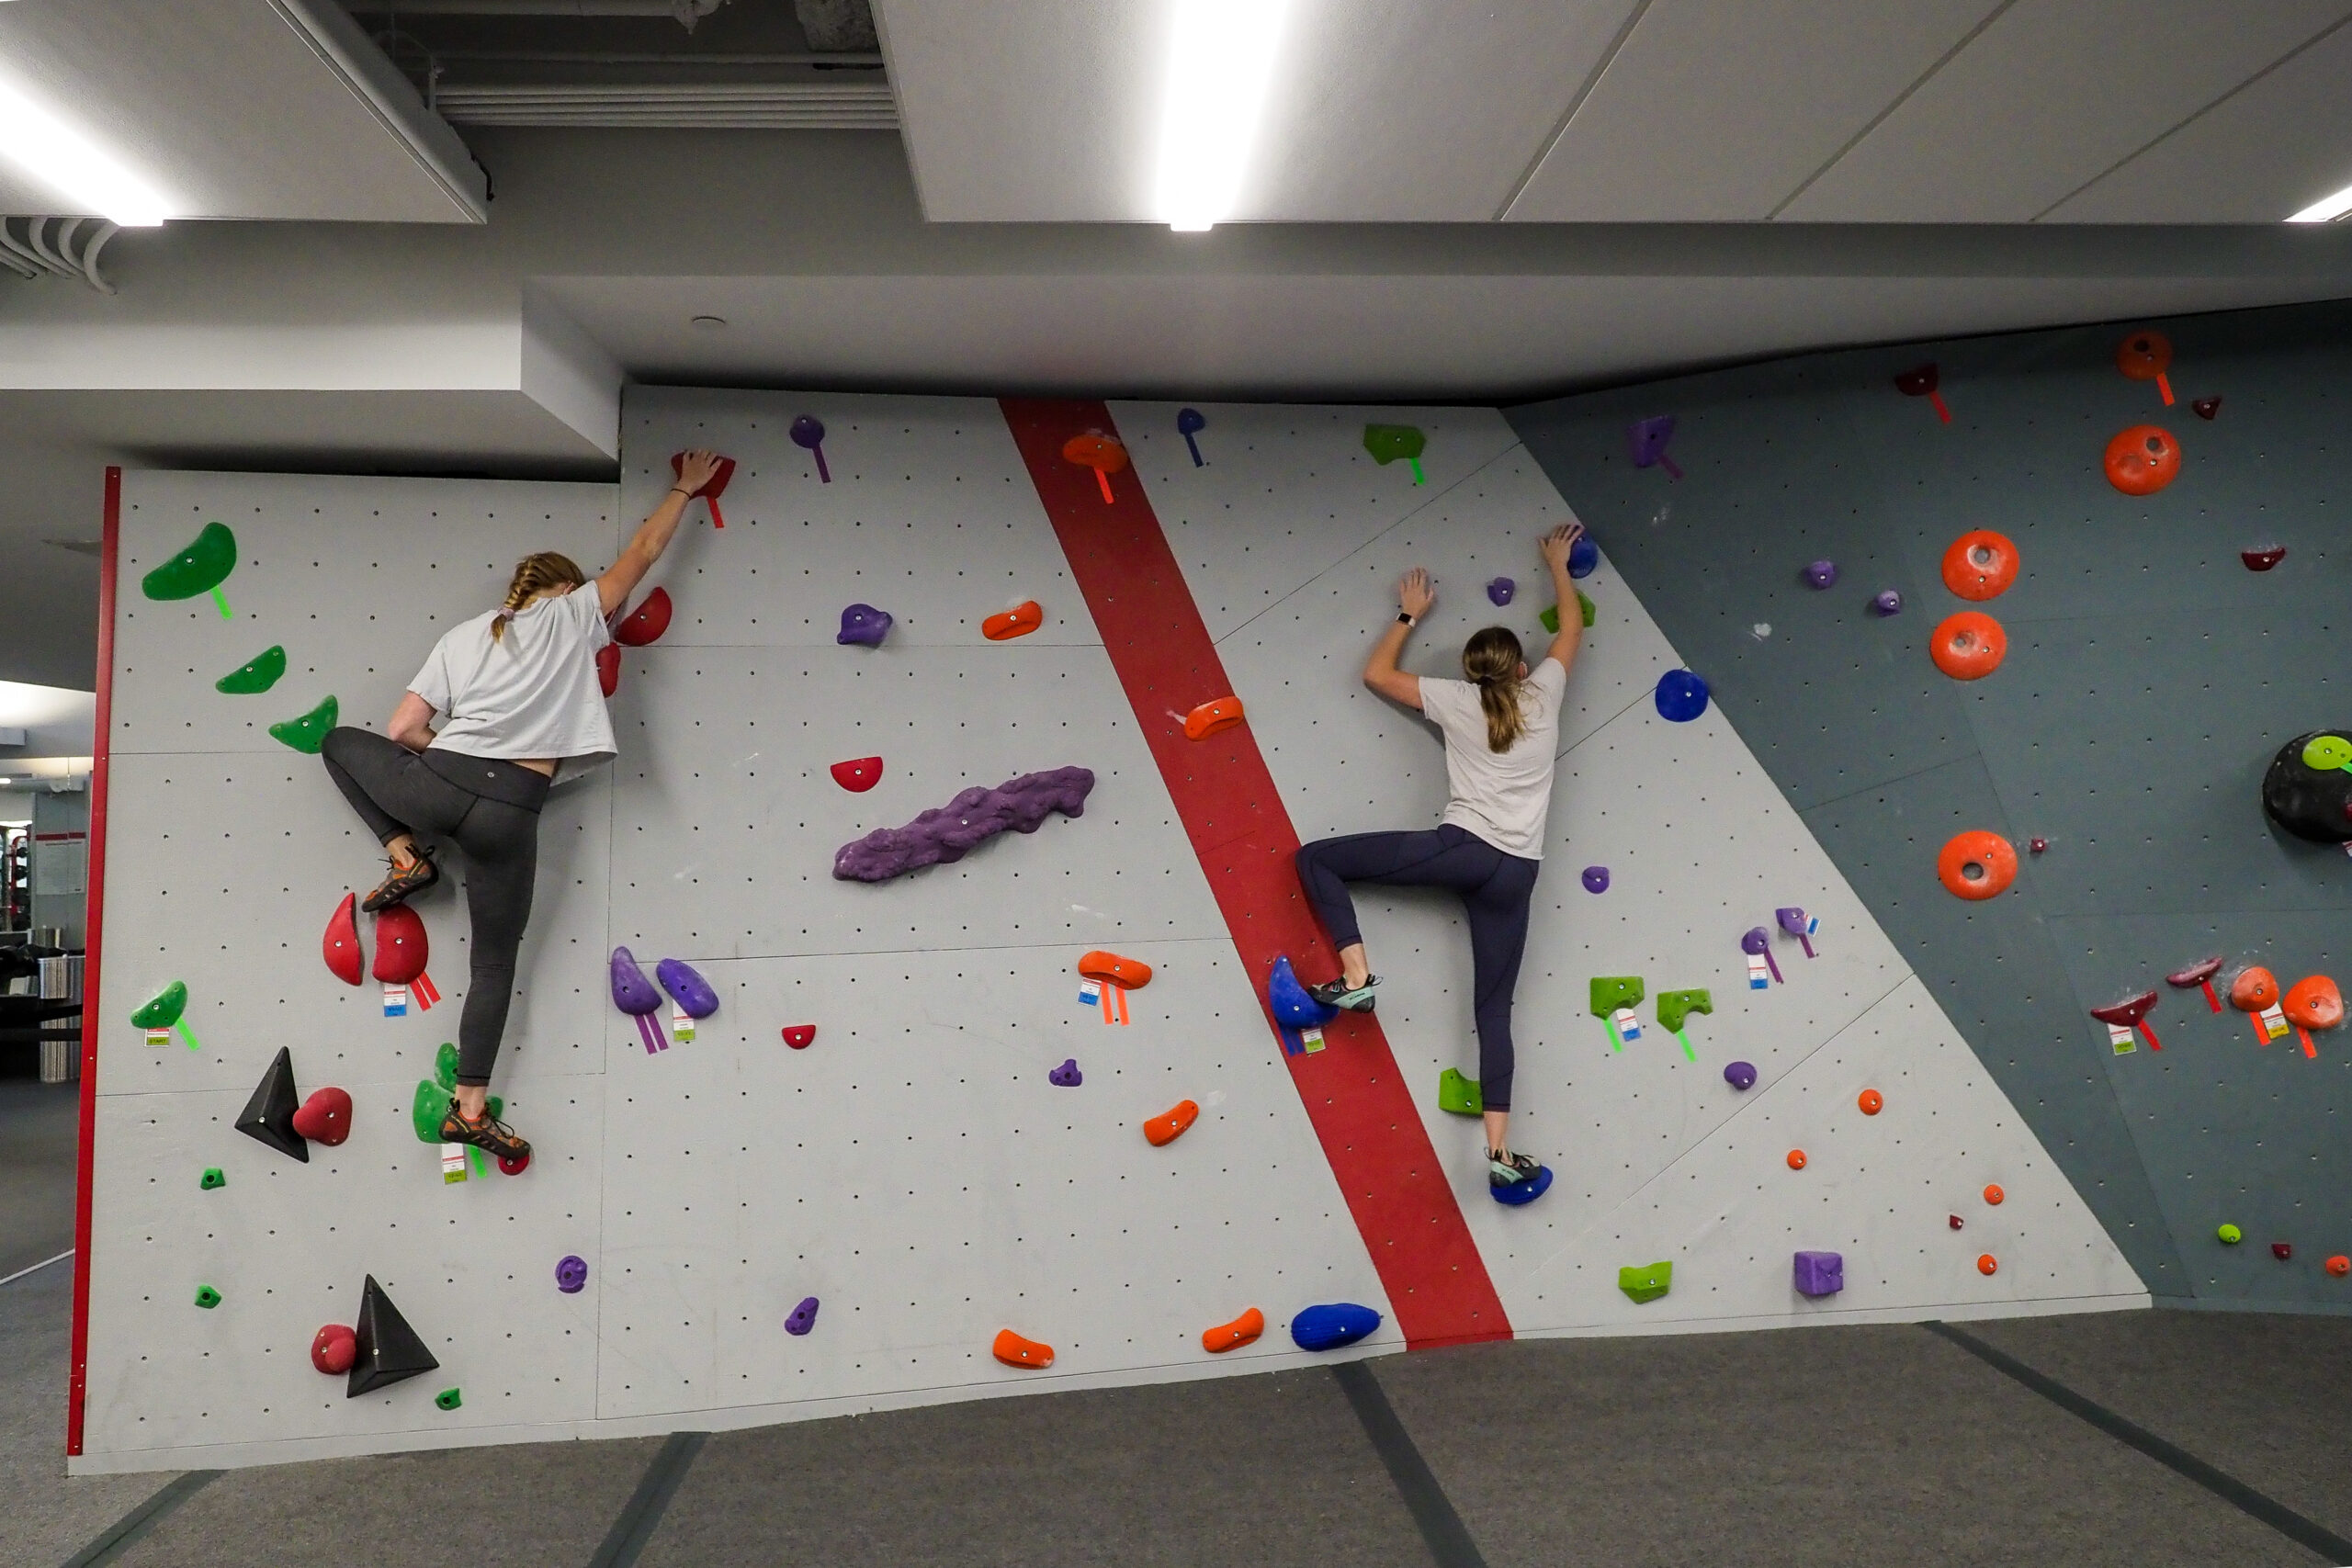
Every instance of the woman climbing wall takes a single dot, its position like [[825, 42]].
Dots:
[[1501, 726], [518, 704]]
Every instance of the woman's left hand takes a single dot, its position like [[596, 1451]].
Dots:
[[1559, 542], [1415, 594], [696, 469]]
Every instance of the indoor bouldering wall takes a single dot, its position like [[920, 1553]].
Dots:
[[2150, 676]]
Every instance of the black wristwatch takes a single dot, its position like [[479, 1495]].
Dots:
[[1405, 620]]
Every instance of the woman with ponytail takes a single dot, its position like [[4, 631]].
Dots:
[[1501, 726], [519, 706]]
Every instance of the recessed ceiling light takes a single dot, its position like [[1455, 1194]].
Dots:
[[1221, 57], [707, 324], [2326, 209], [57, 154]]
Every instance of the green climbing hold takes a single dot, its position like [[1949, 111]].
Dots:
[[258, 674], [207, 1297], [1646, 1284], [1551, 617], [2327, 752], [1458, 1094], [1386, 443], [201, 568], [2231, 1236], [1611, 992], [165, 1010], [445, 1066], [425, 1112], [308, 732], [449, 1399], [1673, 1006], [212, 1178]]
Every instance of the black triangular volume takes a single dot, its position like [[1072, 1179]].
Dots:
[[269, 1114], [389, 1348]]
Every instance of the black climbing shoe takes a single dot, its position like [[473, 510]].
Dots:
[[1339, 993], [489, 1133], [1509, 1169], [399, 886]]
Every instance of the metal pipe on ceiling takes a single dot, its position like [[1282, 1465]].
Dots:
[[677, 8]]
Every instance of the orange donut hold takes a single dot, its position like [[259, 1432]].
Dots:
[[1994, 1195], [1969, 646], [2145, 357], [1209, 718], [1870, 1101], [1984, 1265], [1240, 1331], [2253, 990], [2143, 461], [1016, 1352], [2314, 1002], [1976, 864], [1796, 1159], [2339, 1266], [1132, 973], [1170, 1126], [1019, 621], [1980, 565]]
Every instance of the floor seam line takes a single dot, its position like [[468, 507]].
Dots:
[[1442, 1529], [133, 1526], [642, 1515]]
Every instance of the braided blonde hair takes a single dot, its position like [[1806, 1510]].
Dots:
[[533, 574], [1491, 657]]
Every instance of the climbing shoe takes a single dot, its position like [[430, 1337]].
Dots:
[[489, 1133], [1339, 993], [1506, 1169], [401, 883]]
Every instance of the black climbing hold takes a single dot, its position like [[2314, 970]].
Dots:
[[2309, 802], [389, 1348], [269, 1114]]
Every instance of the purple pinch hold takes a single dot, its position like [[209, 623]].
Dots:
[[1741, 1076], [1888, 602], [1596, 879], [947, 833], [688, 989], [632, 992], [1821, 573], [863, 623], [1820, 1273], [1500, 591], [803, 1318], [1067, 1075], [570, 1274]]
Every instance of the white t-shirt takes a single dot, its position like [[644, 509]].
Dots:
[[1501, 797], [533, 694]]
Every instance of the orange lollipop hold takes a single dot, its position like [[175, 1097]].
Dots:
[[1976, 864], [2313, 1002], [2143, 461], [2144, 356], [1969, 646], [1870, 1101], [1796, 1159], [1994, 1195], [1132, 973], [1102, 453], [1984, 1265], [1980, 565]]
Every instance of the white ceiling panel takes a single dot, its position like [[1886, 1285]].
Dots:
[[1712, 112], [1381, 110], [2049, 98], [236, 109], [2273, 147]]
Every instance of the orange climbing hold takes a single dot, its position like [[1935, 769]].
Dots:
[[2143, 461], [1240, 1331], [1976, 864], [1102, 453], [2253, 990], [1984, 1264], [1796, 1159], [1016, 1352], [1980, 565], [1019, 621], [1969, 646], [2339, 1265], [2313, 1002], [1132, 973], [1994, 1195], [1871, 1101], [1168, 1128], [1209, 718], [2145, 357]]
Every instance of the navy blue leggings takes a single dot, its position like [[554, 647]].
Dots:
[[1494, 887]]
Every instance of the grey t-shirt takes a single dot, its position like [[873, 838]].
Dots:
[[533, 694], [1501, 797]]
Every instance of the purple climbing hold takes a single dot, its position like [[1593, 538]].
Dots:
[[1888, 602], [947, 833], [863, 623], [1596, 879], [1757, 943], [1646, 441], [1583, 556], [1793, 922], [803, 1318], [632, 992], [1740, 1075], [1500, 591], [1821, 573], [1820, 1273], [1067, 1075], [571, 1274], [808, 433], [688, 989]]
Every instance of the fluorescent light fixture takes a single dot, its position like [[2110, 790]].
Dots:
[[1221, 57], [2326, 209], [57, 154]]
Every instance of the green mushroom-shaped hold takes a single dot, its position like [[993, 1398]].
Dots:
[[1647, 1283], [308, 732], [445, 1066], [1673, 1006], [258, 674], [165, 1009], [1611, 992], [1386, 443], [201, 568], [425, 1112]]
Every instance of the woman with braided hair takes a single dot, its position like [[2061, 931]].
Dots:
[[1502, 728], [519, 706]]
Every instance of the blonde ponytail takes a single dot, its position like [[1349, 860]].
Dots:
[[1491, 658], [534, 574]]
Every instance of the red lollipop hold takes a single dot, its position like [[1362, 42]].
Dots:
[[647, 622], [1921, 383], [712, 491], [2200, 972]]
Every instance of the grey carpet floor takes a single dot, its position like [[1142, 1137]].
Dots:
[[39, 1127]]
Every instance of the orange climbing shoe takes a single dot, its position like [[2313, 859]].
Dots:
[[1168, 1128], [489, 1134], [1016, 1352], [399, 884], [1240, 1331]]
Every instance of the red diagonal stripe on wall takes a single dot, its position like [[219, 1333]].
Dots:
[[1394, 1186]]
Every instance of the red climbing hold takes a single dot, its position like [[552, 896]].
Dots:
[[647, 622], [1209, 718], [2207, 407], [400, 944], [858, 774], [1102, 453], [2283, 1250], [799, 1035], [2199, 974], [1955, 1222], [1019, 621], [514, 1165], [1014, 1351], [1170, 1126], [2132, 1012], [342, 944], [334, 1350], [712, 491], [608, 668], [2264, 558], [325, 1117]]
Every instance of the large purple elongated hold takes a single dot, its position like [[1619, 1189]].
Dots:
[[688, 989], [949, 832], [632, 992]]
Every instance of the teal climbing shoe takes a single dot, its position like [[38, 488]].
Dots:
[[1339, 993]]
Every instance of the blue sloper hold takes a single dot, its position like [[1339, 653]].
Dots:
[[1328, 1327], [1583, 555], [688, 989], [1288, 1000], [1525, 1192], [1681, 696], [949, 832]]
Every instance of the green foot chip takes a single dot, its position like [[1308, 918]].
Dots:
[[201, 568], [212, 1178], [257, 675], [207, 1297], [449, 1399], [1551, 617], [1458, 1094], [445, 1066], [1646, 1284], [308, 732]]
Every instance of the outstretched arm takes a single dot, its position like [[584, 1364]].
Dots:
[[1414, 597], [1555, 546], [653, 535]]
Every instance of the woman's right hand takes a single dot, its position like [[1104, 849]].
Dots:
[[1414, 593], [1558, 543], [696, 469]]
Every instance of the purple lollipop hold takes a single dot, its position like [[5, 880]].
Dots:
[[1067, 1075], [1740, 1075], [803, 1318], [1501, 590], [1889, 603], [1793, 922], [1646, 442], [632, 992], [863, 623], [1757, 943], [1821, 573], [572, 1275], [808, 431], [688, 989], [1596, 879]]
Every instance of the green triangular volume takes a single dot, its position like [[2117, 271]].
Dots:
[[308, 732], [258, 674]]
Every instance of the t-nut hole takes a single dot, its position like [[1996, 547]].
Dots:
[[1982, 554], [1973, 871], [1963, 641], [2157, 445]]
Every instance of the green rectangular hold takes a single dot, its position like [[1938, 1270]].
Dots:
[[1646, 1283]]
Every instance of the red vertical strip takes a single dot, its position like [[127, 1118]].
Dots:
[[94, 919], [1362, 1112]]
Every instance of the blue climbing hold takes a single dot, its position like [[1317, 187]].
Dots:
[[1328, 1327], [1288, 1000], [1190, 423], [1681, 696], [1583, 555], [1525, 1192]]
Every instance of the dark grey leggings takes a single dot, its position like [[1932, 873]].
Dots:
[[1495, 888], [398, 791]]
